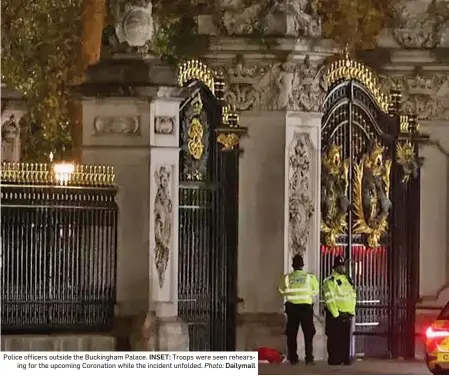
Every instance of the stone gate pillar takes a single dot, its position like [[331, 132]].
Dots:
[[302, 189], [302, 203], [131, 121], [164, 190], [138, 134]]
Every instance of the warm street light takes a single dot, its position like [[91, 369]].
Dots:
[[63, 172]]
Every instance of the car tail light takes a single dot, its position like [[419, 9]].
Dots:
[[432, 333]]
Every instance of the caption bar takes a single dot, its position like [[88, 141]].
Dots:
[[158, 363]]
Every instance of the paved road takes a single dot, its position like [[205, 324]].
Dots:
[[361, 367]]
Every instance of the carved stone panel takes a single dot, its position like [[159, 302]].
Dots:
[[10, 140], [164, 125], [425, 95], [302, 18], [163, 220], [113, 125], [423, 24], [298, 86], [289, 17], [300, 200]]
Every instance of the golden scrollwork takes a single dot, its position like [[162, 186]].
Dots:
[[408, 123], [404, 124], [195, 143], [195, 133], [196, 70], [229, 117], [228, 140], [346, 69], [371, 190], [50, 174], [406, 157], [225, 112], [229, 137], [334, 190]]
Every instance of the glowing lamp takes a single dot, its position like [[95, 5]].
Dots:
[[63, 172]]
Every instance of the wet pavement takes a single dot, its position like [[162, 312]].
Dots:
[[360, 367]]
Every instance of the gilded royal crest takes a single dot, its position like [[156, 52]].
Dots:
[[371, 194], [334, 191]]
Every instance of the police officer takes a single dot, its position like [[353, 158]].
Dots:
[[299, 288], [340, 298]]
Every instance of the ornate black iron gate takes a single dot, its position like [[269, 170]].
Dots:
[[370, 206], [208, 211]]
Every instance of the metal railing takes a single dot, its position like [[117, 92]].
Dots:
[[59, 230]]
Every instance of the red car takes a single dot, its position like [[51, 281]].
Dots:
[[437, 344]]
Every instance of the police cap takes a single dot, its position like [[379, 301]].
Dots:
[[298, 261], [339, 261]]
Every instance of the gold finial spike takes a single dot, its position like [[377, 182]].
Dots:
[[29, 173], [104, 176], [100, 175], [38, 173], [94, 172], [111, 175]]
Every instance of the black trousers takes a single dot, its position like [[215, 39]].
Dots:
[[338, 331], [299, 315]]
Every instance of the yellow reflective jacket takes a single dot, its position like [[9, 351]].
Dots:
[[299, 287], [339, 294]]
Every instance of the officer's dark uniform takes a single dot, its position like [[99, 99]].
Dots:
[[299, 288], [340, 298]]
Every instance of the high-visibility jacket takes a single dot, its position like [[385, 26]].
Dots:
[[299, 287], [339, 294]]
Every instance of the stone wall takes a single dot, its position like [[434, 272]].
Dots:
[[434, 257], [261, 241]]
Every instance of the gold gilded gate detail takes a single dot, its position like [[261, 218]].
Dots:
[[196, 130], [371, 191], [334, 190], [196, 133]]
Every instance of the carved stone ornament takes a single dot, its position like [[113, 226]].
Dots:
[[426, 96], [280, 86], [164, 124], [423, 24], [302, 18], [294, 17], [163, 220], [238, 21], [10, 130], [113, 125], [300, 201], [134, 23]]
